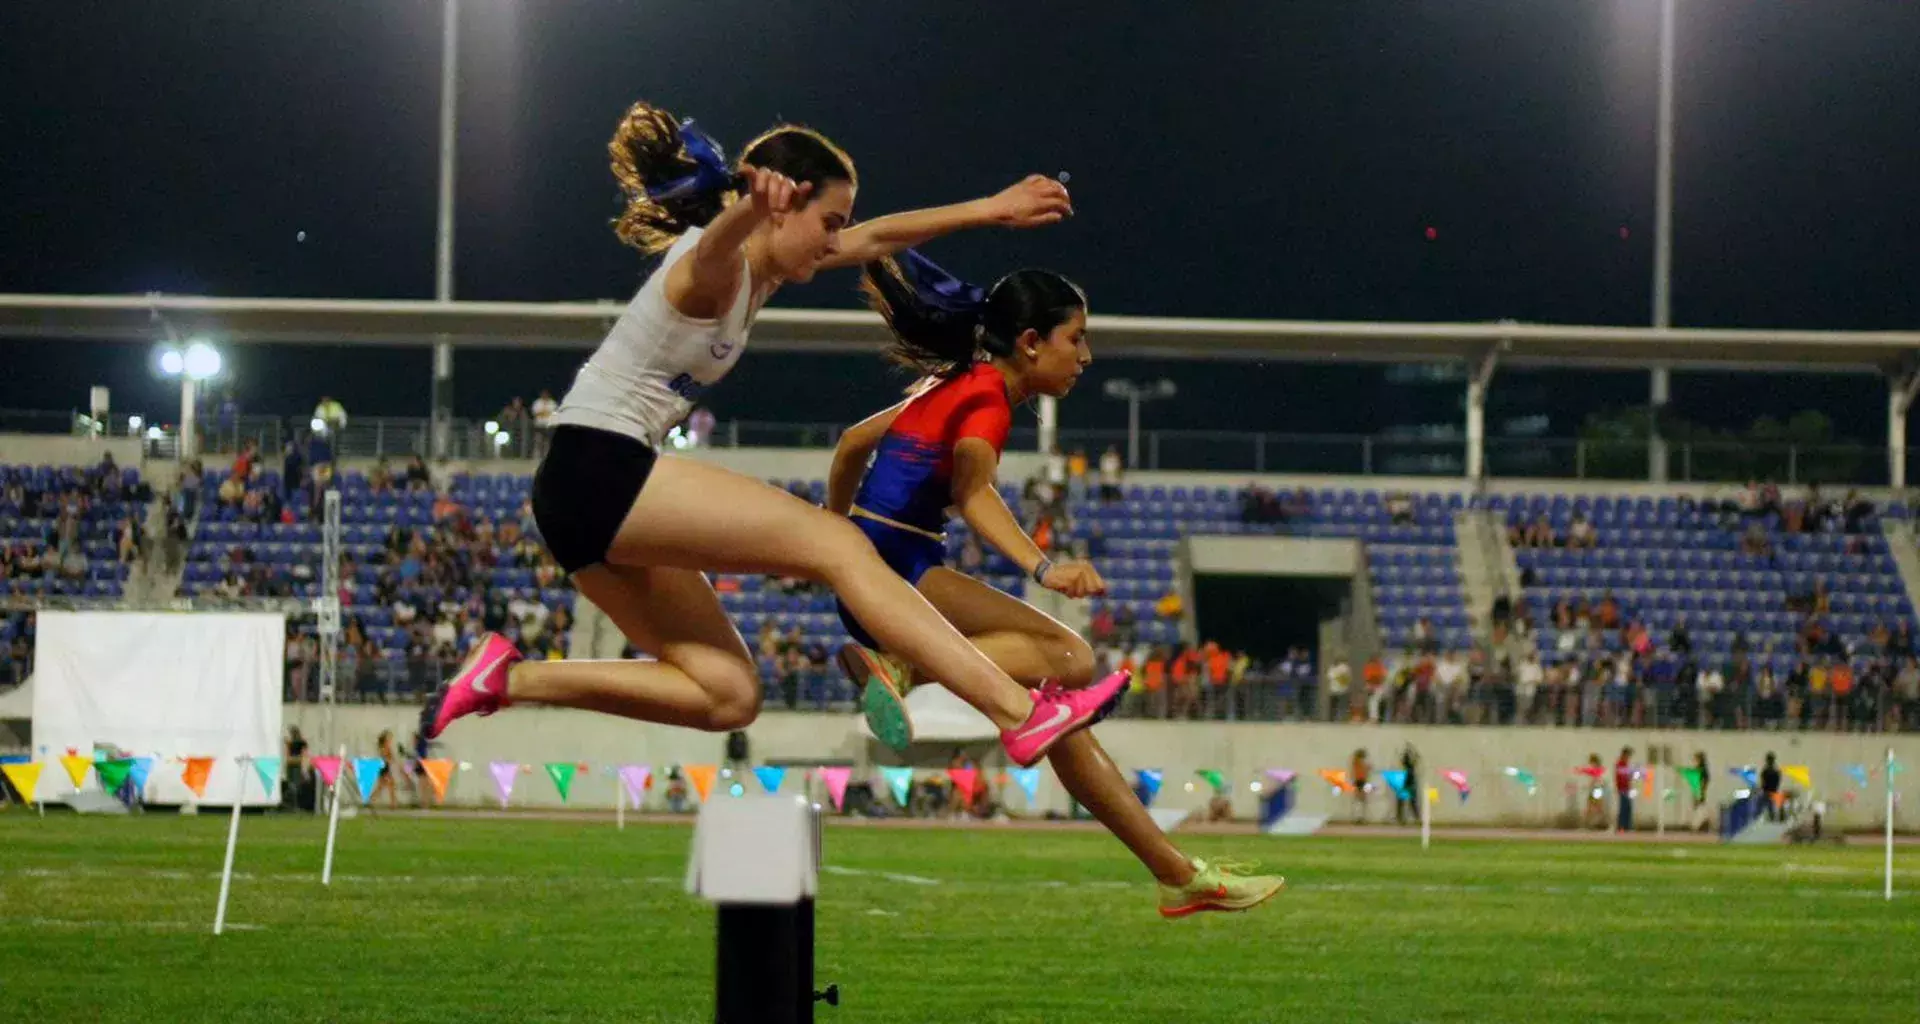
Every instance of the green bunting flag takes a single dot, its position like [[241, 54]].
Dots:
[[1214, 778], [1694, 781], [113, 772], [562, 774]]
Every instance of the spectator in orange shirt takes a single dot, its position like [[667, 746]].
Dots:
[[1374, 675], [1186, 681], [1219, 666], [1154, 677], [1840, 681]]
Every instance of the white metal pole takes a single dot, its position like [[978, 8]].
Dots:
[[1662, 234], [1426, 817], [619, 800], [1889, 888], [441, 427], [1049, 409], [186, 446], [1133, 432], [333, 817], [233, 839]]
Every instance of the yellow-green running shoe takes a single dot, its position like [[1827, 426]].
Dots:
[[883, 680], [1219, 886]]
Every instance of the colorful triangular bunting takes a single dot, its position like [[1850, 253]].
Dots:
[[836, 780], [195, 774], [702, 776], [438, 770], [25, 778], [366, 772], [77, 768], [561, 772], [1028, 779], [503, 775], [635, 778], [113, 772], [770, 777], [268, 768], [899, 782]]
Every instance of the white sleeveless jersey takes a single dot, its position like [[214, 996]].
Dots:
[[656, 363]]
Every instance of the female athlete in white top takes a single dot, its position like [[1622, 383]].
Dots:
[[637, 530]]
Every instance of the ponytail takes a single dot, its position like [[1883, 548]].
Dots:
[[676, 178], [941, 324], [937, 320]]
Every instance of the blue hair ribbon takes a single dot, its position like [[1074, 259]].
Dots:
[[939, 289], [711, 173]]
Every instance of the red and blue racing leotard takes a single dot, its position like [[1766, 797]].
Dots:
[[911, 480]]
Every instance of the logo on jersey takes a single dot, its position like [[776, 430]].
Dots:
[[688, 388], [721, 348]]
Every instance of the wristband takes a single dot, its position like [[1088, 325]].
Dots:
[[1040, 571]]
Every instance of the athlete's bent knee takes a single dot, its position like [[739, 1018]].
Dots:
[[839, 550], [1073, 657], [735, 700]]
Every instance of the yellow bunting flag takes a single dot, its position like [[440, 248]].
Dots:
[[77, 768], [702, 776], [438, 770], [25, 778], [195, 775], [1798, 773], [1433, 794]]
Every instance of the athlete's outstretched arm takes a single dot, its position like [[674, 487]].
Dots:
[[703, 284], [850, 457], [1031, 202], [975, 466]]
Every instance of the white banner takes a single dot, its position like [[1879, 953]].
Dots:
[[172, 685]]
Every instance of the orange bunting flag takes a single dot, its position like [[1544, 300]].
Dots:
[[25, 778], [195, 775], [438, 770], [702, 776], [77, 768], [1337, 778]]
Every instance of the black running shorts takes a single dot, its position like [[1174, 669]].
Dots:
[[584, 489]]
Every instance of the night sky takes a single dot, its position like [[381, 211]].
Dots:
[[1243, 160]]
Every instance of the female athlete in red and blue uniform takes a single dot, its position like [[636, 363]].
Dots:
[[982, 352]]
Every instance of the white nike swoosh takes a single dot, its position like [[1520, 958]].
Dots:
[[1061, 713], [479, 685]]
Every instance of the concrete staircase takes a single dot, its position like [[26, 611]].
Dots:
[[155, 578], [1487, 566], [1906, 556]]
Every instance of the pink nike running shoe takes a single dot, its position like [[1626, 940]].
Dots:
[[479, 688], [1057, 712]]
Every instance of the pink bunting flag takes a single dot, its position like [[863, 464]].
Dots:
[[329, 768], [635, 778], [836, 780], [503, 773]]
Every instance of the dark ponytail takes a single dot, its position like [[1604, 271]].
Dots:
[[941, 324], [676, 178]]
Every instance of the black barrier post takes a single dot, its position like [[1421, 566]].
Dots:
[[764, 971]]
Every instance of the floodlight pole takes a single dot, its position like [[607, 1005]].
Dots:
[[189, 389], [1661, 384], [441, 427]]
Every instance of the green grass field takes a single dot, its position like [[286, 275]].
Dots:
[[444, 920]]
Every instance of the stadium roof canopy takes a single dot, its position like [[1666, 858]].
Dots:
[[578, 325]]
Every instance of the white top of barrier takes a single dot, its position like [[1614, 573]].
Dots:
[[756, 850]]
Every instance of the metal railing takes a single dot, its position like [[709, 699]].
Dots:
[[399, 437]]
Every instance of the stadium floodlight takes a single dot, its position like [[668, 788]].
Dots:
[[154, 433], [134, 423], [492, 427], [200, 361], [1134, 394]]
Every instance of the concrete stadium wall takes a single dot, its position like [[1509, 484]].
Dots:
[[61, 450], [534, 736], [1275, 556]]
